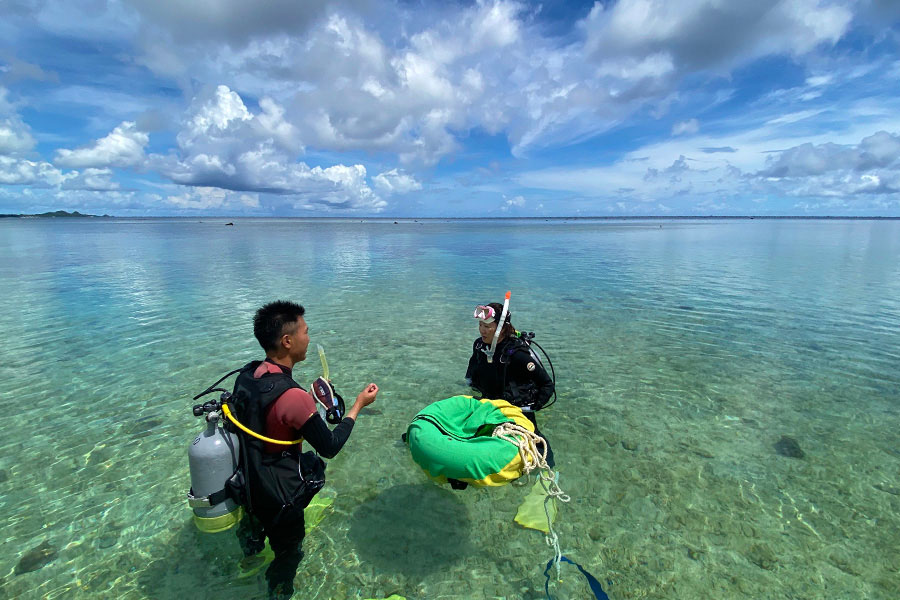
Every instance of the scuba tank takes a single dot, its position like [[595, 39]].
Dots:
[[528, 338], [214, 458]]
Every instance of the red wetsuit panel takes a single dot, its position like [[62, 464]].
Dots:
[[288, 413]]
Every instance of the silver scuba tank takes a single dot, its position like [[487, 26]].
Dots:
[[213, 457]]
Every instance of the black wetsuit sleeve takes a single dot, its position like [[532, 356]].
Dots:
[[326, 442], [543, 384], [470, 370]]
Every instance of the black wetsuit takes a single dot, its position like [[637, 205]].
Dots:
[[277, 478], [515, 375]]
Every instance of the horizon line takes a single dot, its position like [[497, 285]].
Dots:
[[457, 218]]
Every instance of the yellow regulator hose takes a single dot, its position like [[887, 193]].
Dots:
[[241, 426]]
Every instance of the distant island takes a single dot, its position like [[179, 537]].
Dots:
[[56, 213]]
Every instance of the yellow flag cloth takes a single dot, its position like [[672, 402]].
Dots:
[[531, 511]]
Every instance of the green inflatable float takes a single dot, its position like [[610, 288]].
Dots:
[[452, 438]]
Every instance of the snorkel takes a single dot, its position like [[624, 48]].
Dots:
[[500, 324], [323, 361], [329, 403]]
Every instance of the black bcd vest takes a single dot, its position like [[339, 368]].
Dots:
[[502, 385], [274, 483]]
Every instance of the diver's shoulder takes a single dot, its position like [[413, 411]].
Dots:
[[514, 343]]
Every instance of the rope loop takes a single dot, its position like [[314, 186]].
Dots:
[[533, 450]]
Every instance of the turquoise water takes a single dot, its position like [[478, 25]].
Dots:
[[684, 351]]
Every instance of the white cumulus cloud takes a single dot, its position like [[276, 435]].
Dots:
[[340, 80], [878, 151], [14, 171], [396, 182], [123, 147], [224, 145], [99, 180], [15, 135], [277, 92], [203, 198]]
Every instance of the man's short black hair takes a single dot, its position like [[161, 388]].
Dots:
[[270, 321]]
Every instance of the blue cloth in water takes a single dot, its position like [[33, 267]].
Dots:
[[595, 586]]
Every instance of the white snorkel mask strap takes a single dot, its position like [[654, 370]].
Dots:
[[500, 324]]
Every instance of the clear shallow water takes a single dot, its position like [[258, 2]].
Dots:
[[684, 351]]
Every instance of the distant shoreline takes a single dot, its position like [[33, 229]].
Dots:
[[604, 218], [56, 214], [77, 215]]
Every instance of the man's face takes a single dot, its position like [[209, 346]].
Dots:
[[487, 331], [298, 341]]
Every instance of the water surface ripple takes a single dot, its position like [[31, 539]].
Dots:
[[685, 350]]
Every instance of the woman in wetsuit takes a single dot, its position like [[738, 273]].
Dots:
[[514, 373]]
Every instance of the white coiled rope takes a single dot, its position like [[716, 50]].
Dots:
[[533, 450]]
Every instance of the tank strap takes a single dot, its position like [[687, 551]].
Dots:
[[201, 502], [207, 501], [231, 490], [220, 496]]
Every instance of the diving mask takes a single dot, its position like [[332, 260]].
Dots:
[[328, 402], [485, 314], [488, 314]]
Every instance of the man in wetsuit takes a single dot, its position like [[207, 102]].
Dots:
[[280, 479], [515, 374]]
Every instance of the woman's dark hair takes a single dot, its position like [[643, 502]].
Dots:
[[508, 328], [274, 320]]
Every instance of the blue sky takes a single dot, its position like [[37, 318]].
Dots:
[[442, 109]]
